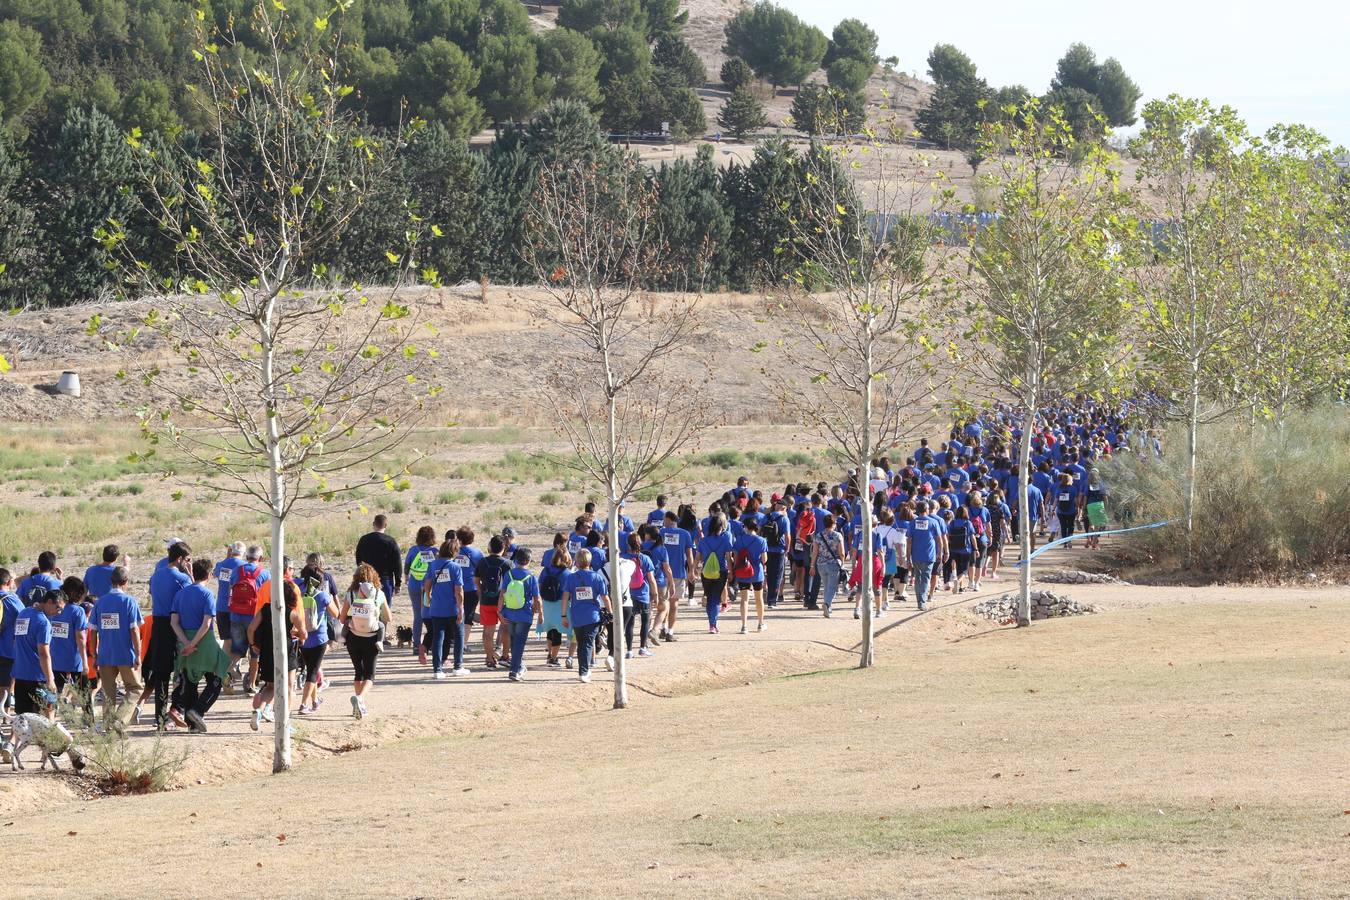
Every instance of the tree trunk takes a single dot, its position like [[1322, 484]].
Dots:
[[1024, 512], [281, 752], [867, 657], [616, 588], [1192, 441]]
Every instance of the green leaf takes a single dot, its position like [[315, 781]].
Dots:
[[4, 364]]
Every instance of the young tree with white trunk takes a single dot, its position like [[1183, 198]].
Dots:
[[866, 305], [623, 391], [299, 385], [1045, 287]]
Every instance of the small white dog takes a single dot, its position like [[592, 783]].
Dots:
[[31, 728]]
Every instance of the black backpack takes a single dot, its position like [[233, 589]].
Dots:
[[958, 535], [770, 532], [550, 584], [495, 570]]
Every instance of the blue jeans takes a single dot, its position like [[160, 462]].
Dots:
[[830, 573], [773, 578], [445, 629], [585, 637], [387, 585], [520, 632], [811, 585], [922, 576], [415, 598]]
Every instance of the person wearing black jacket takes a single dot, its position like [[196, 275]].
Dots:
[[380, 551]]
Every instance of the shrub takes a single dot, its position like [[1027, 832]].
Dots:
[[1245, 523], [551, 498], [481, 496]]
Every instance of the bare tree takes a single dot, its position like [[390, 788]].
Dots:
[[300, 385], [1044, 289], [594, 245], [865, 305]]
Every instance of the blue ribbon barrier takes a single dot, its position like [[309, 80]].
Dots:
[[1087, 534]]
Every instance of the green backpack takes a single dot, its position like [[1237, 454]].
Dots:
[[514, 597], [712, 567], [417, 569]]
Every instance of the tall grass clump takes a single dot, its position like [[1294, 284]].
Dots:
[[1270, 499]]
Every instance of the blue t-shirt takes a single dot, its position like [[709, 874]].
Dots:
[[443, 576], [656, 517], [98, 580], [678, 543], [584, 590], [40, 580], [425, 550], [164, 587], [224, 574], [525, 613], [66, 627], [656, 552], [32, 630], [719, 545], [642, 595], [317, 637], [599, 558], [754, 546], [1034, 501], [193, 604], [10, 607], [468, 560], [248, 568], [784, 532], [115, 615], [576, 543], [924, 534]]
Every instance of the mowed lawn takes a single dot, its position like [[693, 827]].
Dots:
[[1197, 749]]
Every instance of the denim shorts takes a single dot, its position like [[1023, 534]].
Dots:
[[239, 637]]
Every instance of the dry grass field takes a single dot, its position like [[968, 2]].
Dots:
[[1183, 743]]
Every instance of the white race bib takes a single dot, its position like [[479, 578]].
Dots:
[[109, 621], [1064, 497], [585, 593], [61, 630], [21, 627], [444, 576], [921, 525], [362, 610], [226, 576], [672, 540], [462, 562]]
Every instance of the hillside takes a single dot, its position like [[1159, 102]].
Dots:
[[487, 353]]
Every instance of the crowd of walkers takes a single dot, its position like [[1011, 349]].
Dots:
[[941, 520]]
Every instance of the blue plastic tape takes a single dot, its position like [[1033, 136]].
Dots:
[[1090, 534]]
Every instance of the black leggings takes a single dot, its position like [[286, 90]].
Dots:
[[363, 651], [628, 616], [642, 612], [1066, 524], [313, 658]]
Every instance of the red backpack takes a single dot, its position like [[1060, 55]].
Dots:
[[806, 525], [743, 569], [244, 592]]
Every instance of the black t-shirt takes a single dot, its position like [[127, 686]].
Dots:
[[380, 552], [491, 573]]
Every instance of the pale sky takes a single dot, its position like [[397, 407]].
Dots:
[[1273, 62]]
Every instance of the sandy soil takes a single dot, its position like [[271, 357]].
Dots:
[[1180, 741]]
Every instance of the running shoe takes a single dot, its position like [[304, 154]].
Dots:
[[763, 626], [744, 630], [361, 704], [303, 710], [568, 663], [197, 723], [584, 677], [857, 613], [827, 612], [438, 675], [645, 652], [609, 664], [628, 654], [554, 664], [267, 713], [256, 721], [514, 676], [357, 710], [136, 716], [461, 672]]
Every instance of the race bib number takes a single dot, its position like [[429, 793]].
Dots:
[[61, 629], [226, 576], [21, 627], [462, 562], [444, 576], [1064, 497], [573, 547], [110, 621], [585, 593], [921, 525], [672, 540], [363, 610]]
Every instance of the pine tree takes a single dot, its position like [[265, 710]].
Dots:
[[742, 114]]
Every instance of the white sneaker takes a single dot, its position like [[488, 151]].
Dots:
[[256, 721], [609, 664], [628, 654], [439, 676], [567, 663], [645, 652], [357, 710], [584, 678], [745, 630], [763, 626], [515, 676], [881, 614], [461, 671], [857, 613], [267, 713]]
